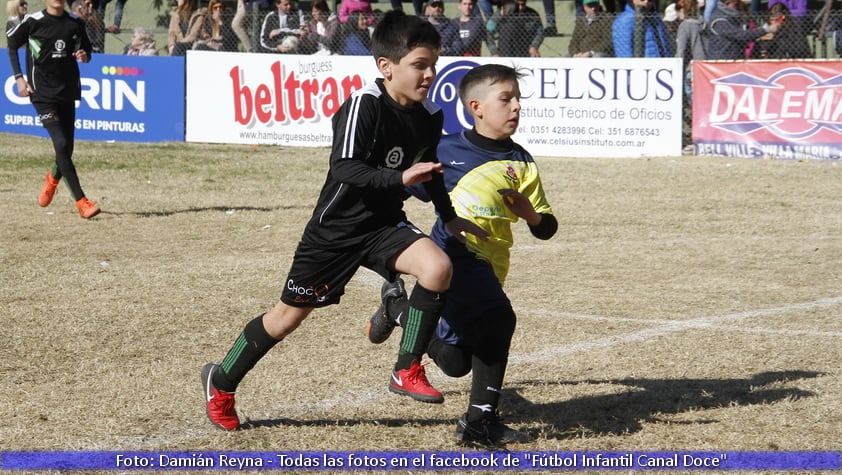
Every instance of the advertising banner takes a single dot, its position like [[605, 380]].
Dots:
[[774, 109], [570, 107], [124, 99]]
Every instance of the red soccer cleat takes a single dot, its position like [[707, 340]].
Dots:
[[413, 382], [220, 404]]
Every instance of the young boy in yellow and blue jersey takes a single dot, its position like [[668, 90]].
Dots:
[[492, 182]]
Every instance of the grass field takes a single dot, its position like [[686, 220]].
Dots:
[[686, 303]]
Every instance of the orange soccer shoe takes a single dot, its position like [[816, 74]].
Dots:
[[45, 197], [87, 208]]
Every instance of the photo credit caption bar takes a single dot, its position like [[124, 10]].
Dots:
[[327, 461]]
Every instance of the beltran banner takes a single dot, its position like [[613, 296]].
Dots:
[[776, 109], [570, 107], [124, 99]]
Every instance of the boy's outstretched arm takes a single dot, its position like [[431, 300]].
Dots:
[[424, 172], [457, 226], [520, 205], [542, 225]]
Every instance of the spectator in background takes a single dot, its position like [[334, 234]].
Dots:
[[15, 11], [86, 11], [322, 30], [186, 21], [673, 16], [515, 30], [639, 32], [789, 42], [591, 33], [451, 44], [730, 33], [471, 28], [356, 37], [688, 38], [216, 33], [118, 14], [238, 24], [486, 8], [417, 5], [282, 29], [142, 43], [689, 46], [346, 7], [549, 16]]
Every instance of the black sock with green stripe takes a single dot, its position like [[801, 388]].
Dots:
[[252, 344], [419, 323]]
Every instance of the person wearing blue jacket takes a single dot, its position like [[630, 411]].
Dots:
[[729, 32], [639, 32]]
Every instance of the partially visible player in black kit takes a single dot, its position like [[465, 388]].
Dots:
[[55, 41]]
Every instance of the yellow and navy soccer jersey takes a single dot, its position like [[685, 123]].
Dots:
[[473, 175]]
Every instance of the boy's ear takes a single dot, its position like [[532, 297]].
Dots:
[[475, 108], [385, 67]]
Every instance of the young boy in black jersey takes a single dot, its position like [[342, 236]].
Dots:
[[384, 139], [492, 182], [55, 41]]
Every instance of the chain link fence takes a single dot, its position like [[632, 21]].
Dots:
[[581, 28]]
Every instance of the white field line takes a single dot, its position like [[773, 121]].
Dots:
[[373, 395], [666, 327], [362, 397], [672, 241]]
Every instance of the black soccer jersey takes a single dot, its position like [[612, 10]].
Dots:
[[51, 68], [374, 140]]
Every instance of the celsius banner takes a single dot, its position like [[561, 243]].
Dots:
[[570, 107], [776, 109], [124, 99]]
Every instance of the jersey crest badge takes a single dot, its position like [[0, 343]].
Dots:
[[394, 157], [511, 174]]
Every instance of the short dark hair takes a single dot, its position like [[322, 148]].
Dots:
[[486, 73], [320, 5], [398, 33]]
